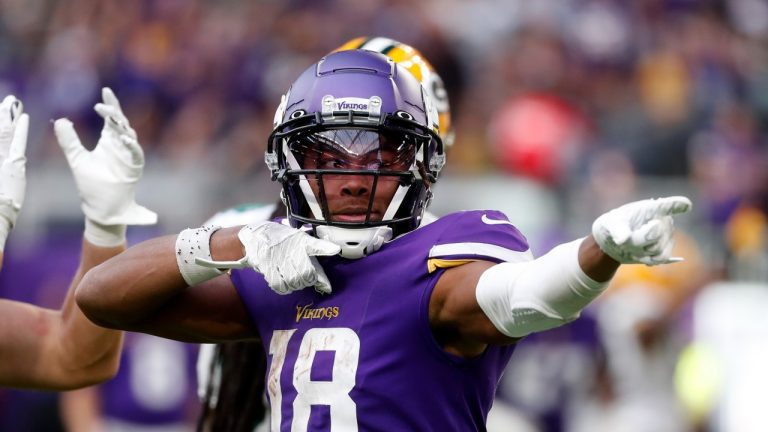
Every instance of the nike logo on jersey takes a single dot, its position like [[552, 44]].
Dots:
[[489, 221]]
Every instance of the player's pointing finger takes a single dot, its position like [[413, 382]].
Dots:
[[673, 205], [109, 98]]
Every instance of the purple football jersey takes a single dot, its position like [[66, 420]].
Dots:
[[364, 357]]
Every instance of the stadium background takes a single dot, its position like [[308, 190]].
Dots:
[[562, 110]]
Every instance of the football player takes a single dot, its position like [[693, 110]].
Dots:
[[231, 375], [405, 329], [62, 349]]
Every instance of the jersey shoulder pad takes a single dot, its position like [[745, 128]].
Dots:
[[479, 235]]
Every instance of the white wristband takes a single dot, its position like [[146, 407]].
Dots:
[[104, 235], [195, 243]]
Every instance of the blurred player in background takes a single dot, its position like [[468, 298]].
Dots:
[[638, 321], [154, 390], [231, 375], [402, 332], [61, 349]]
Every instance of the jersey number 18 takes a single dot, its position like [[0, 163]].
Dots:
[[334, 393]]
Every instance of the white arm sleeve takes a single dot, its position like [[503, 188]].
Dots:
[[522, 298]]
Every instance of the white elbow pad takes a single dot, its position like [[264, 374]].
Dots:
[[522, 298]]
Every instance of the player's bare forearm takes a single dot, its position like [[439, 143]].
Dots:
[[23, 327], [57, 349], [87, 351], [130, 286], [142, 290]]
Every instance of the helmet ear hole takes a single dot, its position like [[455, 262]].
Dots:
[[298, 113], [404, 115]]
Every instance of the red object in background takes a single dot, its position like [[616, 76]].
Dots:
[[537, 136]]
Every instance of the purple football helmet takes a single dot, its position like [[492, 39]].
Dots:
[[356, 113]]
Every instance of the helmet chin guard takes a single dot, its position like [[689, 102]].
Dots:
[[356, 115], [355, 242]]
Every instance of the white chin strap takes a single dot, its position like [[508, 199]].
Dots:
[[355, 242]]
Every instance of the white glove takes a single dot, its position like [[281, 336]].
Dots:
[[284, 255], [641, 231], [14, 126], [106, 177]]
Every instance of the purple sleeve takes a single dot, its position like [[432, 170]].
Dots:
[[248, 284], [480, 234]]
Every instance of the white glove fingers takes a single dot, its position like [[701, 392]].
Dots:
[[298, 272], [666, 250], [662, 257], [19, 142], [647, 234], [323, 284], [68, 140], [667, 244], [10, 109], [666, 230], [277, 284], [286, 256], [122, 139], [620, 233], [134, 149], [661, 251], [7, 101], [318, 247], [115, 120], [105, 111], [109, 98], [673, 205], [16, 108], [268, 265], [276, 281]]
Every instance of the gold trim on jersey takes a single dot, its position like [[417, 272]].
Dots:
[[437, 263]]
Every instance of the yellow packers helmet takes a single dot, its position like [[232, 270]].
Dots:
[[411, 59]]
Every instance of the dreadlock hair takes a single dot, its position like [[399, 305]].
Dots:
[[239, 405]]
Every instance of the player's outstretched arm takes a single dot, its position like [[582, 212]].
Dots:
[[62, 349], [482, 303]]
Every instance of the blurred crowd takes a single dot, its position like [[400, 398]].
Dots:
[[592, 102], [553, 90]]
